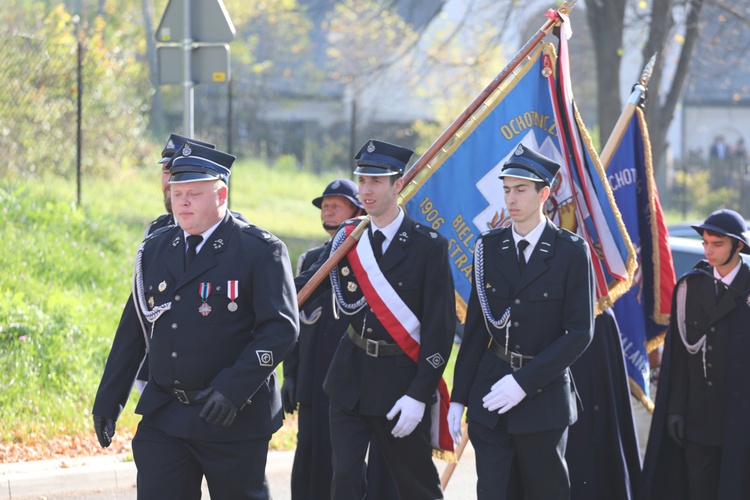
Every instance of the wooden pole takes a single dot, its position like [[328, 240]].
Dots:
[[441, 141], [627, 113], [448, 472]]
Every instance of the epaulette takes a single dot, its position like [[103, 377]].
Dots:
[[494, 231], [426, 230], [158, 232], [570, 236], [259, 233], [159, 219]]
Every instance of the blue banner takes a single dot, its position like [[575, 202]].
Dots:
[[643, 312]]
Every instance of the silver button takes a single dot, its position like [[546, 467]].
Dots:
[[369, 330], [400, 283], [177, 298], [174, 354], [151, 287], [176, 382], [710, 383], [546, 294], [517, 347], [515, 324], [174, 326], [494, 289], [710, 348]]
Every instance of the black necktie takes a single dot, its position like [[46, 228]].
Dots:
[[521, 258], [720, 289], [192, 241], [376, 240]]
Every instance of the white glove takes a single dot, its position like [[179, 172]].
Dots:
[[455, 415], [412, 412], [504, 395]]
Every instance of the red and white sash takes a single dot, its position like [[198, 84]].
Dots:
[[405, 328]]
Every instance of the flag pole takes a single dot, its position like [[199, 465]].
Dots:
[[639, 92], [432, 151]]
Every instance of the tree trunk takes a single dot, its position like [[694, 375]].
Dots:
[[606, 19], [661, 105]]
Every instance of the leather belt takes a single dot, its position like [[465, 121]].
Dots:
[[374, 348], [184, 397], [514, 359]]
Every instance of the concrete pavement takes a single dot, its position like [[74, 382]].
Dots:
[[109, 477]]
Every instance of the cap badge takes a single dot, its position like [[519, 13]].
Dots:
[[370, 147], [335, 184], [186, 150], [170, 144], [519, 150]]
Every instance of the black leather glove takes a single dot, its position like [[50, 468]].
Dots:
[[288, 390], [105, 430], [218, 409], [676, 428]]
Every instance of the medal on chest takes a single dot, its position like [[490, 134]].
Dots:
[[233, 290], [204, 290]]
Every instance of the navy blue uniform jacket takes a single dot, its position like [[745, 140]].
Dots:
[[416, 265], [717, 406], [552, 318], [233, 352]]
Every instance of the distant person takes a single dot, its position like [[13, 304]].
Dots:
[[530, 316], [699, 443], [395, 290], [306, 366], [719, 150], [739, 156], [218, 297]]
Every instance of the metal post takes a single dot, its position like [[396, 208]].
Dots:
[[79, 119], [188, 124]]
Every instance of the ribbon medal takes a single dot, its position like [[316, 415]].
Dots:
[[205, 290], [233, 290]]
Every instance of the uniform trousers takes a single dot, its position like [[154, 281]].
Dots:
[[409, 458], [537, 457], [172, 468], [704, 470]]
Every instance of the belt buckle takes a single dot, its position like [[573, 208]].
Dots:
[[372, 348], [514, 356], [181, 396]]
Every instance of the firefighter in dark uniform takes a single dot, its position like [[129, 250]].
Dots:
[[699, 440], [218, 299], [174, 144], [376, 388], [530, 316], [306, 366]]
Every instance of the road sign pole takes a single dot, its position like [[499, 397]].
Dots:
[[188, 123]]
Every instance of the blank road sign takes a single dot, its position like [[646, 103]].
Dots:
[[208, 64], [209, 22]]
